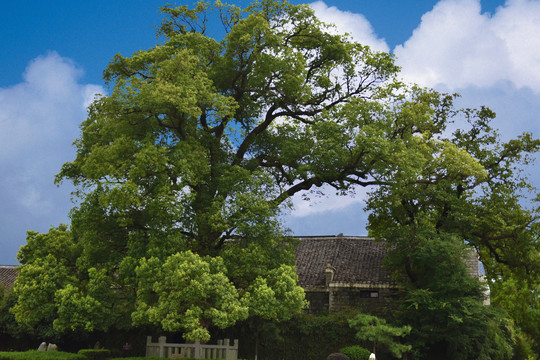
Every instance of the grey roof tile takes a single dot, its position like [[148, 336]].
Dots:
[[356, 259], [8, 274]]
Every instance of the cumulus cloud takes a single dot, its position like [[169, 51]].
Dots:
[[325, 199], [349, 220], [355, 25], [39, 119], [491, 59], [359, 28], [326, 213], [456, 46]]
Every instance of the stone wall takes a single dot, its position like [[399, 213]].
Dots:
[[318, 301], [375, 300], [338, 296]]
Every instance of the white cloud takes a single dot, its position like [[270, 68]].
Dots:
[[359, 28], [324, 199], [492, 60], [90, 93], [355, 25], [350, 220], [52, 77], [43, 112], [39, 119], [456, 46]]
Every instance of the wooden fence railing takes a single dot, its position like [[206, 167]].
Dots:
[[162, 349]]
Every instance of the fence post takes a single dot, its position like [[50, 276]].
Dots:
[[234, 351], [220, 353], [197, 349], [226, 344], [229, 352], [148, 342], [223, 349], [162, 340]]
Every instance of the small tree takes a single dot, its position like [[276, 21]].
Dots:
[[187, 292], [273, 297], [372, 328]]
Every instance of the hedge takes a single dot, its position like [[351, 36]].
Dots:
[[59, 355], [95, 354], [40, 355], [356, 352]]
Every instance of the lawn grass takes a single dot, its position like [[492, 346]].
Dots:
[[39, 355], [60, 355]]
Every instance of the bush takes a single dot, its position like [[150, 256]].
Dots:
[[356, 352], [306, 337], [139, 358], [337, 356], [95, 354], [148, 358], [39, 355]]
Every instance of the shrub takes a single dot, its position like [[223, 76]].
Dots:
[[314, 337], [149, 358], [95, 354], [139, 358], [356, 352], [39, 355], [337, 356]]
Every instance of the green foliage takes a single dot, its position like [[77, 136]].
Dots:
[[39, 355], [147, 358], [442, 302], [201, 142], [50, 259], [377, 331], [139, 358], [95, 354], [303, 337], [197, 148], [274, 296], [12, 335], [518, 293], [7, 321], [59, 355], [463, 197], [185, 291], [355, 352]]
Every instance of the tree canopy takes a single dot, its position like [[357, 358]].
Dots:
[[468, 197], [182, 172], [377, 331]]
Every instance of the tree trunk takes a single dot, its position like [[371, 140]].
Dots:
[[256, 344]]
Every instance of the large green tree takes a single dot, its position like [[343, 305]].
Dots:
[[201, 143], [465, 199]]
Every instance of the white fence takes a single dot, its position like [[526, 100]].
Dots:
[[162, 349]]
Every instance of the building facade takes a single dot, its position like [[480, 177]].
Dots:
[[343, 271], [337, 272]]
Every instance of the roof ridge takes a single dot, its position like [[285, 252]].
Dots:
[[360, 237]]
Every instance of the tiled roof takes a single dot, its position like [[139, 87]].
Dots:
[[8, 274], [355, 259]]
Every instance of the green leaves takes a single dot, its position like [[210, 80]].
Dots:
[[275, 296], [375, 329], [187, 292], [35, 288], [183, 169]]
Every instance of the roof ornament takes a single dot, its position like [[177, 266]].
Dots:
[[329, 273]]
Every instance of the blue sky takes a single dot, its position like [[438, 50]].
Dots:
[[53, 54]]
